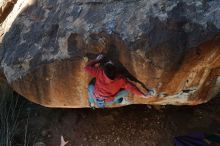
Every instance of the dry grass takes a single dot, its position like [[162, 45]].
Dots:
[[10, 114]]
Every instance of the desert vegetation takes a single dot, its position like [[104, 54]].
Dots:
[[14, 118]]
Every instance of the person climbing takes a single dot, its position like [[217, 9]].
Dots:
[[109, 86]]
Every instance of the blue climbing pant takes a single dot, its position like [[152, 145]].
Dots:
[[101, 103]]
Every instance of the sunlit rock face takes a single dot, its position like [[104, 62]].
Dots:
[[172, 46]]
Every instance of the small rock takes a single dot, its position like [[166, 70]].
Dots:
[[40, 144], [96, 137], [118, 138], [149, 107]]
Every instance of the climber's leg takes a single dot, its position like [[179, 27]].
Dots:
[[91, 96], [119, 96], [91, 87]]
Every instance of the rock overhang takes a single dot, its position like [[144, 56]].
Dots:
[[153, 39]]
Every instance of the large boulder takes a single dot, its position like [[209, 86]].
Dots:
[[172, 46]]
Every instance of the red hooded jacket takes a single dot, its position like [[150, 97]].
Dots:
[[107, 88]]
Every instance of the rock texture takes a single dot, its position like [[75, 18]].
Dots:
[[5, 8], [172, 46]]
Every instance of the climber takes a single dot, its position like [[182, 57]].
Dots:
[[109, 86]]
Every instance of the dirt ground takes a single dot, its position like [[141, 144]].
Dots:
[[136, 125]]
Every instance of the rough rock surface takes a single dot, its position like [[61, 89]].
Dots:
[[172, 46]]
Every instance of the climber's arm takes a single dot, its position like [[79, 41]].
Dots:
[[132, 88], [91, 68]]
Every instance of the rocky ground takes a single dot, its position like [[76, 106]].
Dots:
[[135, 125]]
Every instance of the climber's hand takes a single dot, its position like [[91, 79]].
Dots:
[[99, 57], [85, 59]]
